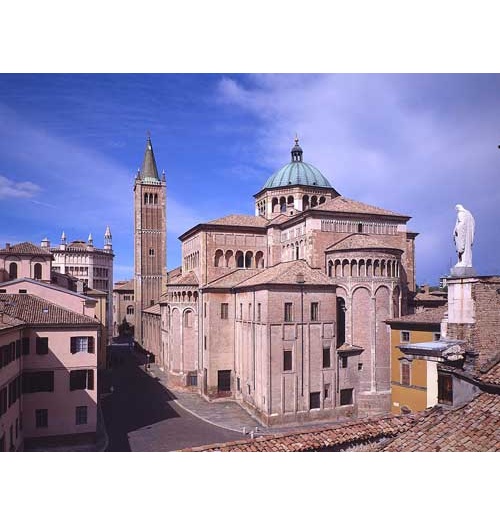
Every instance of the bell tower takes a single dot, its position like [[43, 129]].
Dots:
[[150, 231]]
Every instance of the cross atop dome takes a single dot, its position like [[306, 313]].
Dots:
[[297, 151]]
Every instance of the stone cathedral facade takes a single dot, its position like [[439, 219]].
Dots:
[[150, 231], [284, 311]]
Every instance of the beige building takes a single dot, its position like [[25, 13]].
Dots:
[[123, 305], [91, 265], [285, 311]]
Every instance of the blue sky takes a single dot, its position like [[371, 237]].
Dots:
[[70, 146]]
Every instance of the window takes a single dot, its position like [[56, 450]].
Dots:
[[405, 373], [436, 336], [360, 366], [258, 312], [238, 383], [326, 391], [13, 271], [151, 251], [314, 311], [224, 311], [130, 309], [343, 362], [326, 357], [192, 379], [224, 381], [3, 401], [314, 400], [41, 417], [81, 415], [445, 389], [18, 349], [287, 360], [37, 271], [38, 382], [188, 318], [405, 336], [23, 291], [288, 311], [25, 346], [42, 345], [205, 342], [249, 311], [241, 311], [346, 397], [14, 390], [81, 379], [82, 344]]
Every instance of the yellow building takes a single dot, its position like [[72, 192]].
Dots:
[[414, 382]]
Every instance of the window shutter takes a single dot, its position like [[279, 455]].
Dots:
[[26, 346], [90, 379], [91, 344], [73, 345]]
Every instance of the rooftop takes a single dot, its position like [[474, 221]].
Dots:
[[37, 311], [434, 316], [343, 204], [124, 285], [26, 249], [240, 220], [361, 241]]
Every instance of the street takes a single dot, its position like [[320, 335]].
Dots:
[[140, 414]]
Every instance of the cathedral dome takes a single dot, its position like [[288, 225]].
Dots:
[[297, 173]]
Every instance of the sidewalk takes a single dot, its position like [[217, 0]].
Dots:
[[227, 414]]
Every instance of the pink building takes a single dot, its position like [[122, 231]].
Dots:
[[51, 339], [48, 374], [285, 311]]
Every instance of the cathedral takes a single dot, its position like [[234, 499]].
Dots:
[[282, 311]]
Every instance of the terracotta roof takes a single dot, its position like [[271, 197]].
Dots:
[[233, 278], [473, 427], [343, 204], [282, 218], [124, 285], [361, 241], [286, 273], [177, 271], [154, 309], [430, 297], [427, 316], [492, 376], [26, 248], [7, 322], [186, 279], [240, 220], [37, 311], [334, 436]]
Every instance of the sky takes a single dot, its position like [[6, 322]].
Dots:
[[71, 144]]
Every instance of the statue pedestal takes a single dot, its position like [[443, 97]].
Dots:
[[463, 272]]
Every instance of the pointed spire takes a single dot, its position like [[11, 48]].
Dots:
[[107, 234], [90, 241], [108, 239], [63, 237], [296, 151], [148, 169], [163, 176]]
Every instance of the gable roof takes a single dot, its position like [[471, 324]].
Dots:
[[186, 279], [286, 274], [37, 311], [428, 316], [345, 205], [26, 249], [233, 278], [154, 309], [125, 285]]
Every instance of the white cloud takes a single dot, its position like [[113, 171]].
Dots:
[[17, 190]]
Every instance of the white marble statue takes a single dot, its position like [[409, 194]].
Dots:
[[463, 236]]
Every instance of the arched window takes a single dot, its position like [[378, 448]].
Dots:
[[314, 201], [259, 260], [360, 228], [146, 199], [188, 318], [322, 199], [305, 202], [296, 251], [218, 258], [330, 268], [37, 271], [130, 309], [240, 260], [248, 259], [13, 270], [282, 204], [229, 259], [155, 199], [290, 200], [274, 204]]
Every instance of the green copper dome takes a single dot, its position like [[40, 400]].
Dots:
[[297, 172]]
